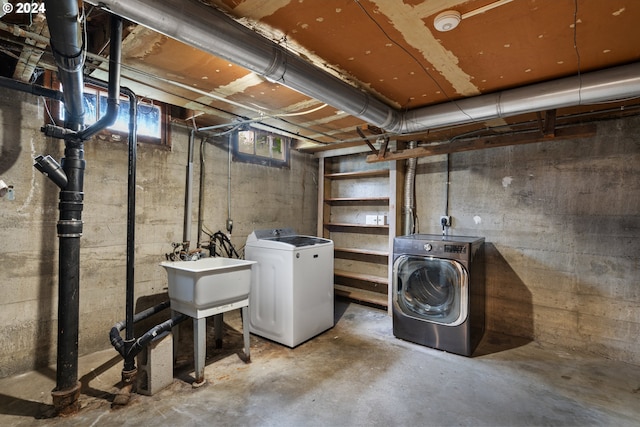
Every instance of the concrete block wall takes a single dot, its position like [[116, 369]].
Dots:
[[562, 225], [261, 197]]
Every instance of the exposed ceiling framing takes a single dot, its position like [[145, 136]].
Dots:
[[388, 49]]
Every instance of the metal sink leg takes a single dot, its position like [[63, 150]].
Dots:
[[245, 333], [199, 348]]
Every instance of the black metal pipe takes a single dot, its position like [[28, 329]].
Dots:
[[113, 98], [114, 335], [69, 227], [201, 192], [129, 363], [188, 193], [68, 50], [31, 88], [146, 338], [62, 18]]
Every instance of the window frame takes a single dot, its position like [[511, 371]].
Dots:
[[256, 158], [56, 108]]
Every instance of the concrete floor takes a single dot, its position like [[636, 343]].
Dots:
[[354, 374]]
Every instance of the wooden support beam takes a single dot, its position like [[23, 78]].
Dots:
[[383, 147], [549, 123], [548, 126], [373, 130], [583, 131]]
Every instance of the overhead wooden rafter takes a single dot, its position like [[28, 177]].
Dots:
[[470, 144]]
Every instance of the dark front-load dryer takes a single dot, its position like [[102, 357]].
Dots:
[[439, 291]]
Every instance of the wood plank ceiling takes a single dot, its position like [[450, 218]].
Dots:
[[388, 48]]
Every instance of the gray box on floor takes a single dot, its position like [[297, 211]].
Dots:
[[155, 365]]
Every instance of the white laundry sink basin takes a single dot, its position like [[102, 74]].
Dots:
[[204, 287]]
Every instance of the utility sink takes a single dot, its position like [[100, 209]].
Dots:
[[207, 286]]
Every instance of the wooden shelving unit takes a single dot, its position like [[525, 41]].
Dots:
[[357, 200], [360, 295], [351, 190]]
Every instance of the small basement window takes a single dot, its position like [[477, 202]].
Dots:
[[261, 147], [153, 117]]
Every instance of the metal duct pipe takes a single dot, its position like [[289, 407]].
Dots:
[[409, 207], [67, 47], [590, 88], [212, 31]]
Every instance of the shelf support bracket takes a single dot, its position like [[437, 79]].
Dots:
[[383, 147], [364, 138]]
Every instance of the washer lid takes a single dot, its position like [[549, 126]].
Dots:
[[270, 233], [300, 241], [283, 238]]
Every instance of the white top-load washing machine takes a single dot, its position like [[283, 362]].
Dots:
[[291, 297]]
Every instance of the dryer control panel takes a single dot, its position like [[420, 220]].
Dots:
[[455, 249], [450, 247]]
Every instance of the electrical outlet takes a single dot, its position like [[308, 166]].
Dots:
[[445, 221], [371, 219]]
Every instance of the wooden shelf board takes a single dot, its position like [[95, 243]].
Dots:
[[362, 251], [346, 224], [361, 295], [364, 277], [357, 174], [376, 200]]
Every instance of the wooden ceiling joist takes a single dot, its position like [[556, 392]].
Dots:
[[582, 131]]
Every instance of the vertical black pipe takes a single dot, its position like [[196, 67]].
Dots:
[[67, 48], [201, 192], [113, 102], [113, 96], [129, 368], [66, 45], [188, 194], [69, 232], [129, 361], [67, 390]]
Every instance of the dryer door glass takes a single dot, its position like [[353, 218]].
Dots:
[[431, 289]]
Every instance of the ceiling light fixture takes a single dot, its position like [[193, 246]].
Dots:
[[450, 19], [447, 20]]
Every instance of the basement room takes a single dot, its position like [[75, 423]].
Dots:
[[320, 213]]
